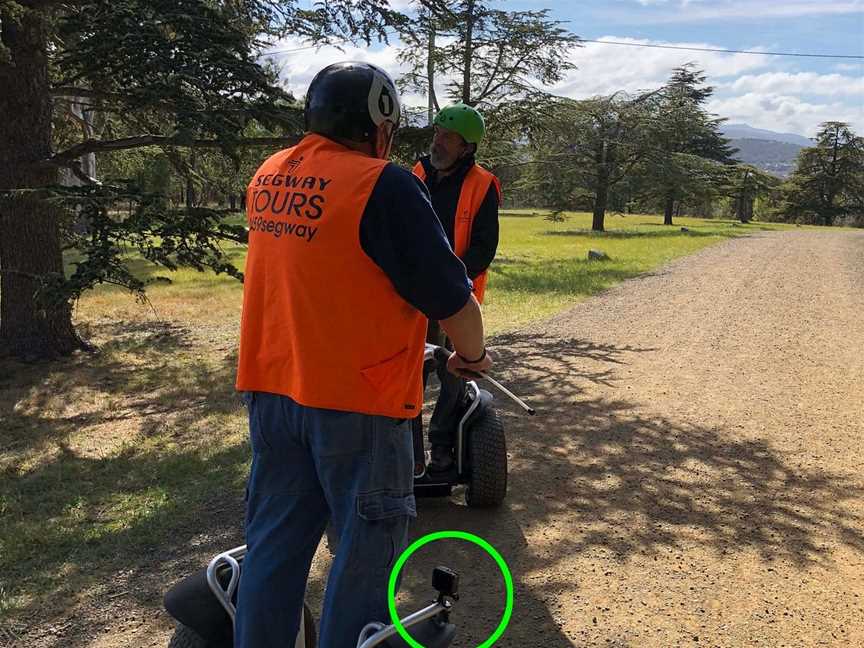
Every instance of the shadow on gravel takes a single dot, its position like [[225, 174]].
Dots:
[[591, 474], [586, 473], [603, 462]]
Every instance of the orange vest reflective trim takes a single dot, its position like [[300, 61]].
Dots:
[[474, 190], [321, 322]]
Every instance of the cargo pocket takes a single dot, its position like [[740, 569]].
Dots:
[[383, 526], [384, 505]]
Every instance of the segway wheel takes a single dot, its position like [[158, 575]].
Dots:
[[309, 627], [487, 457], [186, 637]]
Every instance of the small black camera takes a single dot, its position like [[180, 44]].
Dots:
[[446, 582]]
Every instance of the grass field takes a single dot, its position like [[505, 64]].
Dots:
[[112, 461], [541, 267]]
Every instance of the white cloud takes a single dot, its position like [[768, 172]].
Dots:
[[747, 91], [806, 83], [850, 67], [683, 3], [298, 67], [603, 69], [751, 10], [781, 112]]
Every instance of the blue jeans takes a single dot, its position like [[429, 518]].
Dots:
[[310, 467]]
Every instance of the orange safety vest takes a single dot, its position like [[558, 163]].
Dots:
[[474, 190], [321, 321]]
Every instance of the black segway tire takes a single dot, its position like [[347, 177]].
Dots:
[[487, 457], [185, 637]]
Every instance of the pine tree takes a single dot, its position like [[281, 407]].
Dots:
[[828, 181], [177, 74]]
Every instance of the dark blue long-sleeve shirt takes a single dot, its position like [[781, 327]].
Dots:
[[401, 233]]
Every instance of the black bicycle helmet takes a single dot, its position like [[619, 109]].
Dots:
[[350, 100]]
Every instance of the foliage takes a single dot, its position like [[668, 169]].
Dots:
[[687, 144], [828, 181], [175, 76], [743, 184], [485, 55], [587, 147]]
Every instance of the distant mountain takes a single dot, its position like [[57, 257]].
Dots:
[[771, 156], [743, 131]]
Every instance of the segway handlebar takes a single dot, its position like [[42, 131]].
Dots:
[[442, 355]]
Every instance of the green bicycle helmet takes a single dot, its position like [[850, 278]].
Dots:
[[463, 119]]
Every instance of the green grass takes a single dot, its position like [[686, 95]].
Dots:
[[541, 267], [109, 461]]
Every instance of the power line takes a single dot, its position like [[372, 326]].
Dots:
[[724, 51], [608, 42]]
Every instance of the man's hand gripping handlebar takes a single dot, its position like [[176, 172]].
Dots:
[[456, 364]]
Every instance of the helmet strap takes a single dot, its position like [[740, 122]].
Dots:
[[374, 140]]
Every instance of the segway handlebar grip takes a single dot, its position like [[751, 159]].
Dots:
[[441, 355]]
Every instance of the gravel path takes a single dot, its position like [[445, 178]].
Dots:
[[694, 474]]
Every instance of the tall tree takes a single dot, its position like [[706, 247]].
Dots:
[[828, 180], [171, 73], [686, 138], [584, 148], [743, 185], [484, 55]]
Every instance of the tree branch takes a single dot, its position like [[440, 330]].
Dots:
[[87, 93], [102, 146], [494, 72], [75, 167], [509, 76]]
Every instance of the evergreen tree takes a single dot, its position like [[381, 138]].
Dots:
[[177, 74]]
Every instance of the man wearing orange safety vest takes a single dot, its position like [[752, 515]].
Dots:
[[466, 198], [346, 261]]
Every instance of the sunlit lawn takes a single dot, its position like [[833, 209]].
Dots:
[[541, 267]]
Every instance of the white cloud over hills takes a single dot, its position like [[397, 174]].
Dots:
[[756, 89]]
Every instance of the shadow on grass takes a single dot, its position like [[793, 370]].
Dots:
[[586, 473], [147, 367], [112, 514], [628, 234], [559, 276], [521, 214]]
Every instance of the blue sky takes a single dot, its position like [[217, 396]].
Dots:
[[778, 93]]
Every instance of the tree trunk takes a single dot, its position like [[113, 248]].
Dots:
[[30, 253], [601, 199], [744, 208], [468, 58], [670, 209], [430, 71], [190, 185]]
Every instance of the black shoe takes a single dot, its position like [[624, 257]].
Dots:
[[442, 458]]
